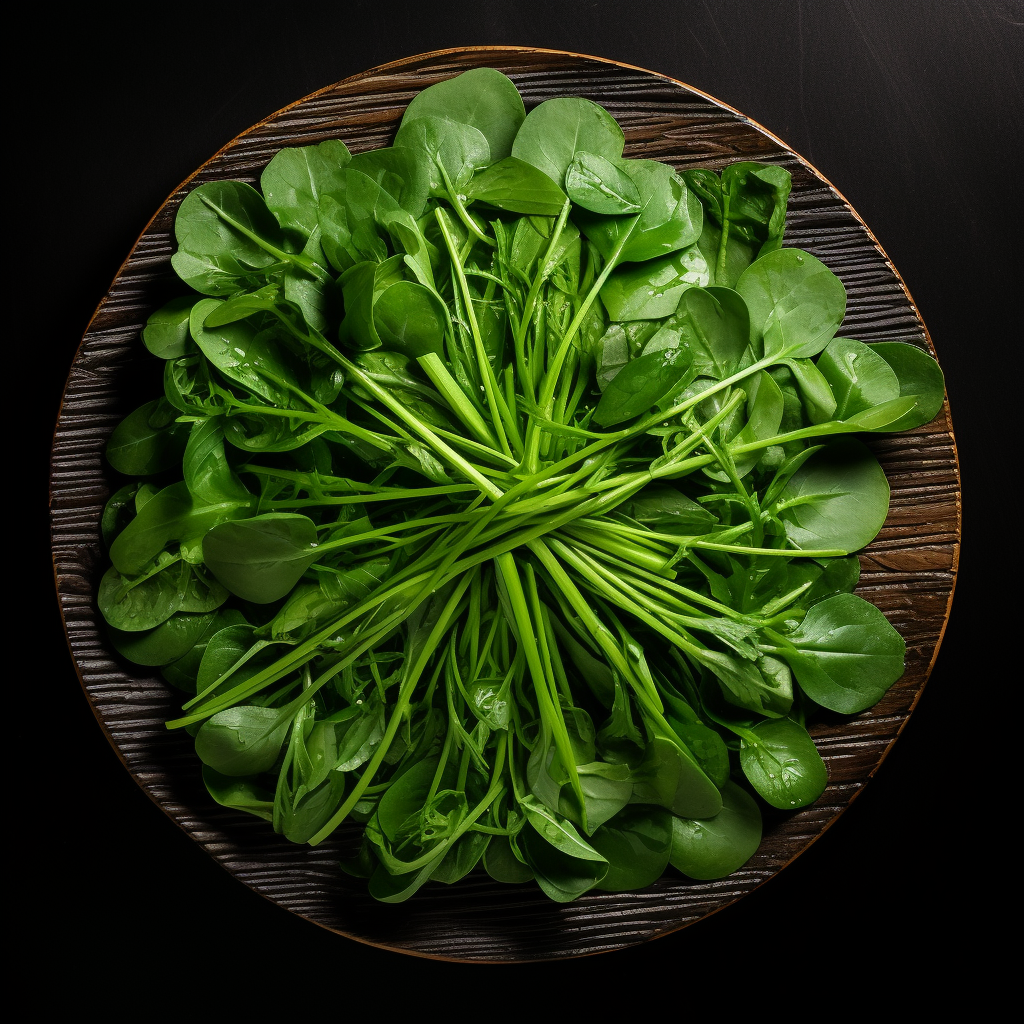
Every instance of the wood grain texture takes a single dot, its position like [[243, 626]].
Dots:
[[908, 571]]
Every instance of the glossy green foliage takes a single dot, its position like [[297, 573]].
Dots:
[[148, 441], [482, 98], [226, 235], [558, 130], [640, 385], [652, 290], [669, 217], [795, 302], [167, 330], [781, 762], [919, 377], [716, 847], [295, 179], [261, 559], [497, 500], [837, 499], [518, 187], [845, 653]]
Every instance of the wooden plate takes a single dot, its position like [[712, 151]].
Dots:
[[908, 571]]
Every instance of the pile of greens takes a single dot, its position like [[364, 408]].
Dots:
[[501, 500]]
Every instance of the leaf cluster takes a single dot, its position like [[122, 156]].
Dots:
[[503, 500]]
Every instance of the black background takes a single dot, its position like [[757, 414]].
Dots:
[[913, 109]]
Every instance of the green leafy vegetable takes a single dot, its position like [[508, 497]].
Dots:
[[497, 505]]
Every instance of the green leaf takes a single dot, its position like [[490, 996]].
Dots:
[[716, 847], [636, 843], [557, 830], [240, 794], [363, 285], [162, 520], [557, 129], [744, 684], [640, 385], [135, 605], [242, 353], [208, 474], [410, 319], [670, 777], [607, 788], [563, 876], [462, 856], [242, 740], [225, 235], [168, 642], [483, 98], [502, 864], [919, 377], [666, 509], [310, 604], [147, 441], [846, 655], [454, 150], [858, 376], [166, 332], [781, 762], [514, 185], [714, 328], [398, 173], [652, 290], [838, 499], [669, 219], [296, 178], [598, 185], [262, 558], [405, 797], [795, 302]]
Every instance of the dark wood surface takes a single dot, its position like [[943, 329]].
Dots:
[[878, 125]]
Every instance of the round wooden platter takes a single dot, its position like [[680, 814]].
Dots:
[[908, 571]]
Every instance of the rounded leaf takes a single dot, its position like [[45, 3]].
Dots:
[[837, 500], [795, 302], [636, 843], [715, 847], [781, 762], [847, 654], [243, 740], [262, 558], [919, 377]]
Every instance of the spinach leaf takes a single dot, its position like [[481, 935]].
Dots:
[[636, 843], [596, 184], [669, 219], [781, 762], [555, 131], [838, 499], [166, 332], [919, 377], [515, 185], [640, 385], [652, 290], [796, 303], [262, 558], [295, 179], [716, 847], [226, 237], [148, 441], [481, 98], [845, 653], [243, 740]]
